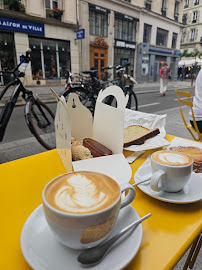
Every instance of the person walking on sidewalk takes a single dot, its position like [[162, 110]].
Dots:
[[165, 71]]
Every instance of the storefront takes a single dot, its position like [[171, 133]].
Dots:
[[51, 53], [150, 59]]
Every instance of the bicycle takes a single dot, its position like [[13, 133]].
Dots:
[[38, 116], [88, 91]]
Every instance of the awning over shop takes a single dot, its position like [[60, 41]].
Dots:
[[190, 62]]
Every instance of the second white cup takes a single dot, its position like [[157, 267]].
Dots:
[[171, 171]]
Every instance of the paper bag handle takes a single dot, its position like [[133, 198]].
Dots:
[[117, 92]]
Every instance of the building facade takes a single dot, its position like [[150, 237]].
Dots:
[[145, 33], [159, 39], [48, 28], [191, 40]]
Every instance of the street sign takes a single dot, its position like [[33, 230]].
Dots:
[[80, 34]]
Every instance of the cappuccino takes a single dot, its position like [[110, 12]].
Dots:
[[82, 192], [171, 158]]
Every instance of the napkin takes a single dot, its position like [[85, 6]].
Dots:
[[149, 121]]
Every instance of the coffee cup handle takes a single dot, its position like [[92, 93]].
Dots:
[[155, 179], [130, 196]]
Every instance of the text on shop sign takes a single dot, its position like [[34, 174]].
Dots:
[[21, 26]]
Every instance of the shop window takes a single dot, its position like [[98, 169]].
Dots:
[[195, 15], [174, 40], [50, 58], [125, 29], [122, 56], [147, 33], [161, 37], [145, 64], [50, 4], [7, 55], [98, 23]]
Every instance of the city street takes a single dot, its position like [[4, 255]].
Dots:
[[149, 100]]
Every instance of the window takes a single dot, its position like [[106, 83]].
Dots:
[[147, 33], [174, 40], [184, 19], [98, 22], [195, 15], [125, 29], [50, 4], [50, 58], [196, 2], [192, 34], [176, 10], [7, 55], [186, 3], [164, 7], [161, 37]]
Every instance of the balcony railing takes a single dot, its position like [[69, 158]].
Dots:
[[191, 39], [184, 20], [176, 17], [148, 6], [194, 21], [186, 6], [196, 3]]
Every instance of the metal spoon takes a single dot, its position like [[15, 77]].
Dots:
[[145, 180], [96, 254]]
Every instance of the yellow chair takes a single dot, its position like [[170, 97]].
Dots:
[[181, 95]]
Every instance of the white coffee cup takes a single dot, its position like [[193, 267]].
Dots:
[[81, 230], [171, 171]]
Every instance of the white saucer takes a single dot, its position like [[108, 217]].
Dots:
[[191, 193], [43, 252]]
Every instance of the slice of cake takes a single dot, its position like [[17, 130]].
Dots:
[[138, 135], [195, 153]]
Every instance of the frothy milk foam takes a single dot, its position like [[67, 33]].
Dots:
[[82, 192], [171, 158]]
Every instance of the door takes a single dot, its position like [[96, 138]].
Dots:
[[98, 59]]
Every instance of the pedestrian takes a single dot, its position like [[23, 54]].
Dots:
[[197, 103], [165, 71]]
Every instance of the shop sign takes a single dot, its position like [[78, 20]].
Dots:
[[123, 44], [99, 9], [80, 34], [21, 26]]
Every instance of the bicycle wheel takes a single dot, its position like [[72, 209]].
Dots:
[[132, 101], [40, 120], [84, 95]]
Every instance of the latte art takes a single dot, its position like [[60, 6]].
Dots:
[[82, 192], [171, 158], [79, 193]]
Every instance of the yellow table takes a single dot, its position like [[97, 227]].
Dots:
[[166, 235]]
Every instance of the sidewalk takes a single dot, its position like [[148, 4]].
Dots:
[[43, 92]]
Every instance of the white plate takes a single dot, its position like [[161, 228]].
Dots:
[[43, 252], [191, 193]]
